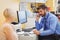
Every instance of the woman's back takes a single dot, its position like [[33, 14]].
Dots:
[[10, 34], [2, 34]]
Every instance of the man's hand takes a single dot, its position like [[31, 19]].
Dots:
[[36, 32], [37, 17]]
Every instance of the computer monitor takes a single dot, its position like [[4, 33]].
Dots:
[[22, 17]]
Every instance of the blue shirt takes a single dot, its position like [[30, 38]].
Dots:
[[58, 28], [49, 24]]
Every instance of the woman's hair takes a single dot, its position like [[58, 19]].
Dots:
[[7, 13]]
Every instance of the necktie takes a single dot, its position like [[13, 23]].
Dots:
[[45, 27]]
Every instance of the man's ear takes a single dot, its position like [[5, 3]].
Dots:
[[46, 10]]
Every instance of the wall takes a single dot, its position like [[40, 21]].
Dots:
[[51, 4]]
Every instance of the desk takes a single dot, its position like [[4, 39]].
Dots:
[[26, 36]]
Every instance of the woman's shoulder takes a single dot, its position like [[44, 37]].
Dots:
[[6, 26], [2, 34]]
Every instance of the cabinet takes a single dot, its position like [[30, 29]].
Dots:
[[57, 6]]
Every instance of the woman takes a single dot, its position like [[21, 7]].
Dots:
[[7, 29]]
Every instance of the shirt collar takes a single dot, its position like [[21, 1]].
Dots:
[[47, 14]]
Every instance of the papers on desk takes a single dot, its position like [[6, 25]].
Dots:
[[27, 36], [26, 33], [20, 32], [31, 32]]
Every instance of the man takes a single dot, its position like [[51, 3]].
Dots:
[[47, 27]]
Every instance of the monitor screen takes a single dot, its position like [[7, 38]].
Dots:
[[22, 17]]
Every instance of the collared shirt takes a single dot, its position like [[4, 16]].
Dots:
[[48, 23], [58, 28]]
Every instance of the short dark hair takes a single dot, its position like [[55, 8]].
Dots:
[[43, 6]]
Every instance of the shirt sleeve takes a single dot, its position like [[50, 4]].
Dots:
[[53, 23], [38, 25]]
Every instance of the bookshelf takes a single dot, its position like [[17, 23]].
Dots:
[[57, 6]]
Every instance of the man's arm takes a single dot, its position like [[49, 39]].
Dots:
[[53, 23], [38, 22], [38, 26]]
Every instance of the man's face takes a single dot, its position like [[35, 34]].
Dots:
[[41, 12], [59, 17]]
